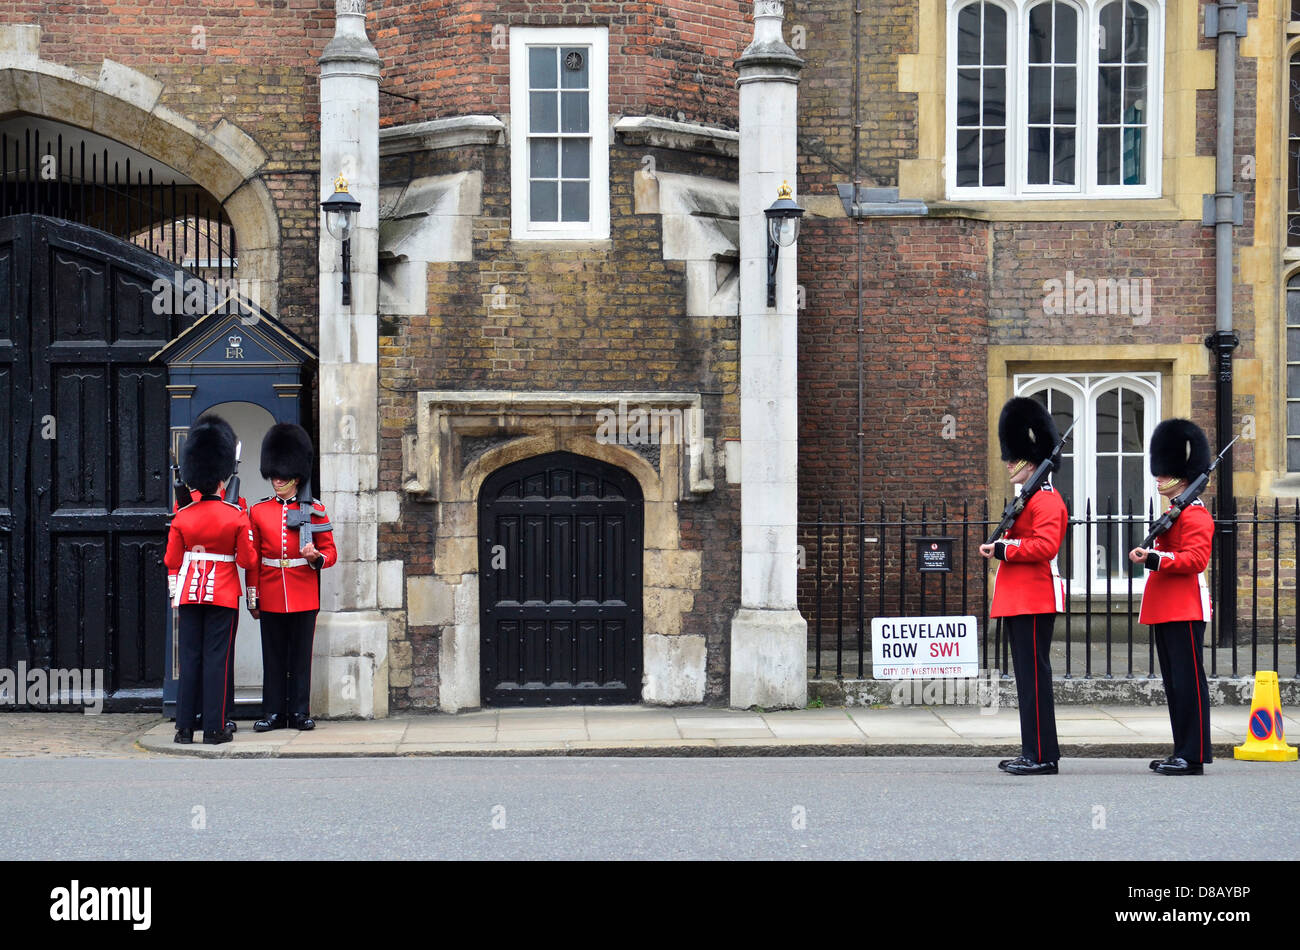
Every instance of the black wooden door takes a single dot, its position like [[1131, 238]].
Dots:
[[560, 540], [87, 479]]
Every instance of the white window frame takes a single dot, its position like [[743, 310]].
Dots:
[[1085, 388], [596, 39], [1017, 187]]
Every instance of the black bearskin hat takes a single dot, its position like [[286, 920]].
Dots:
[[1026, 431], [287, 452], [1179, 449], [208, 457], [221, 424]]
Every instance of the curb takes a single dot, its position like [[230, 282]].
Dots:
[[703, 749]]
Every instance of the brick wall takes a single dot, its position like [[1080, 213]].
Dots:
[[665, 58]]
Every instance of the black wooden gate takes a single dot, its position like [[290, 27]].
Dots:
[[84, 484], [560, 568]]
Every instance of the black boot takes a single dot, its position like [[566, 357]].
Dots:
[[302, 721], [184, 736], [273, 721], [216, 738]]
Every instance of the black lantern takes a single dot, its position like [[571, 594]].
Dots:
[[782, 231], [340, 220]]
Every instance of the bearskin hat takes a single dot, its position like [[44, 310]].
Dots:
[[1026, 431], [1179, 449], [287, 452], [208, 457], [221, 424]]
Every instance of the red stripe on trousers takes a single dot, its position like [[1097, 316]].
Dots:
[[1038, 726], [226, 672], [1196, 674]]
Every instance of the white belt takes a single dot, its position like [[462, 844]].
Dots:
[[189, 558], [285, 561]]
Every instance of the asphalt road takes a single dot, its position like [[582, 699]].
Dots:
[[640, 808]]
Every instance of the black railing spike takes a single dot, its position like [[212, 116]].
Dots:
[[153, 218], [1126, 545], [58, 176]]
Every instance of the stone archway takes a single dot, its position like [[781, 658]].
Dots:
[[467, 436], [124, 104]]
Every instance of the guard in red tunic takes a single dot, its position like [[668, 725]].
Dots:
[[195, 495], [1027, 590], [207, 539], [1176, 600], [287, 588]]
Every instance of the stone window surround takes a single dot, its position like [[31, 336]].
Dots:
[[1185, 175], [533, 423]]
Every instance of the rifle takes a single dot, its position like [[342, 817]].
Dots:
[[179, 488], [232, 484], [1036, 481], [1184, 498], [301, 518]]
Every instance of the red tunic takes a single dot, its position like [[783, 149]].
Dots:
[[1027, 581], [287, 587], [1176, 589], [206, 540]]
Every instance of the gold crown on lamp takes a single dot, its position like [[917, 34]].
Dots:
[[783, 192], [341, 184]]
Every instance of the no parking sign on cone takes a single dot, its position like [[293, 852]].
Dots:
[[1267, 739]]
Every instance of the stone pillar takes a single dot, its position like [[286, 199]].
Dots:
[[350, 656], [769, 638]]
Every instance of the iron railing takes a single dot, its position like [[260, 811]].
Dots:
[[853, 569], [182, 223]]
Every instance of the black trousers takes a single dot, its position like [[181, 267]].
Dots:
[[1178, 647], [1031, 643], [207, 648], [230, 683], [286, 662]]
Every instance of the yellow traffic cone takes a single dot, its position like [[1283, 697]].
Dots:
[[1266, 741]]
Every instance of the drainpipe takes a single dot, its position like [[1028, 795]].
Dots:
[[1223, 210]]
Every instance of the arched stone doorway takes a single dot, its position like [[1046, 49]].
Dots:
[[560, 558]]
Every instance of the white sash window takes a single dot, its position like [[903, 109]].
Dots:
[[1054, 98]]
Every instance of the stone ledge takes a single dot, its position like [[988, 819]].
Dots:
[[657, 132], [442, 133]]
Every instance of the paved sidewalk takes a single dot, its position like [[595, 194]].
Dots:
[[65, 734], [1123, 731]]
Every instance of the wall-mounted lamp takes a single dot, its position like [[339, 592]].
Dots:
[[782, 231], [340, 219]]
